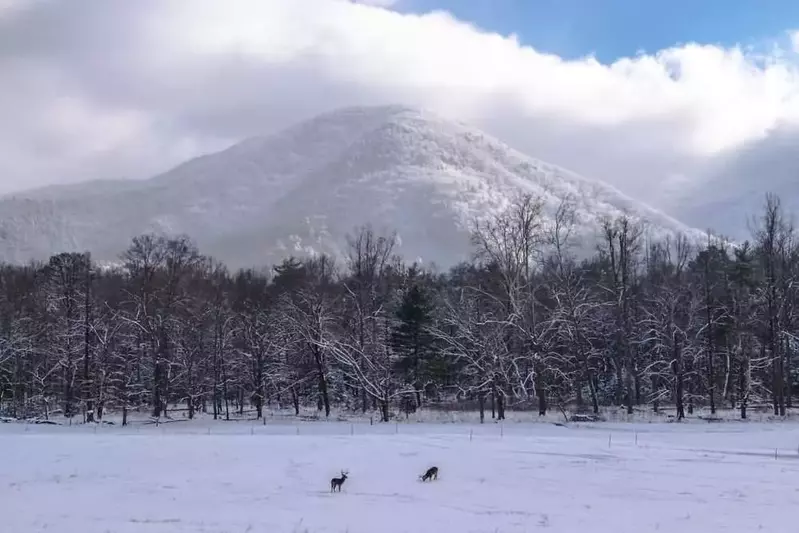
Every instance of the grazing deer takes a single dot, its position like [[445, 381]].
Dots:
[[432, 473], [337, 482]]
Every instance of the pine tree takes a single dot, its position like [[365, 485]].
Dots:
[[412, 340]]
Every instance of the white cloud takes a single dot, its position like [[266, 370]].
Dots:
[[118, 88], [380, 3], [794, 36], [8, 6]]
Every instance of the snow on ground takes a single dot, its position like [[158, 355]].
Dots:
[[237, 477]]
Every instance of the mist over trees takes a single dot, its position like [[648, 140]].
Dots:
[[524, 325]]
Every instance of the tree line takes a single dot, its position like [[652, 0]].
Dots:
[[526, 324]]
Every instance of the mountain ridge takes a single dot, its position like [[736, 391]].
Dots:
[[301, 190]]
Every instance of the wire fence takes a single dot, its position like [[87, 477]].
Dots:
[[615, 438]]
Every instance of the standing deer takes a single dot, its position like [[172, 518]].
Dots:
[[337, 482], [432, 473]]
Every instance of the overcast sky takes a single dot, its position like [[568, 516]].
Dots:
[[125, 89]]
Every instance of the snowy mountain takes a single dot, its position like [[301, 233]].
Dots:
[[302, 190]]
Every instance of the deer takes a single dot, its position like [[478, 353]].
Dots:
[[337, 482], [432, 473]]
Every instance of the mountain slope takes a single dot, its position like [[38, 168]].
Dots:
[[303, 189]]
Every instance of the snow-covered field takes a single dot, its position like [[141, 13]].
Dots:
[[239, 477]]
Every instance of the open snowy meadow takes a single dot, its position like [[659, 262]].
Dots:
[[237, 477]]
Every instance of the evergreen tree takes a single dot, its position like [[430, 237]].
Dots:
[[412, 340]]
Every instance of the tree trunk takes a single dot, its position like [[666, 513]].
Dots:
[[190, 386], [542, 402], [225, 395], [215, 395], [655, 391], [594, 399], [260, 390], [728, 370], [540, 392], [628, 382], [296, 401], [384, 410], [323, 396], [711, 376], [259, 406], [689, 384], [68, 400], [745, 383], [781, 379], [678, 374], [157, 389], [618, 396], [789, 375], [711, 348], [500, 405], [87, 382], [637, 386], [158, 375]]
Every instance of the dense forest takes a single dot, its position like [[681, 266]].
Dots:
[[526, 324]]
